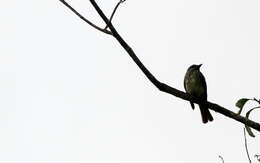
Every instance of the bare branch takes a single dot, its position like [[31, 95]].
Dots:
[[114, 11], [84, 19], [246, 146], [168, 89], [221, 158], [161, 86]]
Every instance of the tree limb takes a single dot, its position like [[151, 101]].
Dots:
[[166, 88]]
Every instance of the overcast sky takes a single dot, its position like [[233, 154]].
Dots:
[[71, 94]]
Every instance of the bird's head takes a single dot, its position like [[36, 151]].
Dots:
[[194, 67]]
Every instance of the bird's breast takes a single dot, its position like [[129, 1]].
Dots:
[[193, 84]]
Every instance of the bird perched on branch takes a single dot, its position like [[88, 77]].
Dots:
[[195, 84]]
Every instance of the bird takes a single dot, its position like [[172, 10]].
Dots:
[[195, 84]]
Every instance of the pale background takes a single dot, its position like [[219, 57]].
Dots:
[[71, 94]]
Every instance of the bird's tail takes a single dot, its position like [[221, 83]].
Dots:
[[205, 114]]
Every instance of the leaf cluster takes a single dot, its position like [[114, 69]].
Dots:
[[240, 104]]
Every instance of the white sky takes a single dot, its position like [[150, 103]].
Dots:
[[71, 94]]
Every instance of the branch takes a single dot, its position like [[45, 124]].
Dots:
[[161, 86], [246, 146], [258, 101], [84, 19], [168, 89], [114, 11], [221, 158]]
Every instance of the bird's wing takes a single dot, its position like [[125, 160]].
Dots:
[[192, 104], [204, 85]]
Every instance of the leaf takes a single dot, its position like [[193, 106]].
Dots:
[[248, 129], [240, 104]]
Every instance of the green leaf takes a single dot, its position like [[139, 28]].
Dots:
[[248, 129], [240, 104]]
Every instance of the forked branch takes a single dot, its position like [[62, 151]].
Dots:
[[114, 11], [84, 19]]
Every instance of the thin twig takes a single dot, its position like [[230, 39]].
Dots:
[[258, 101], [114, 11], [246, 146], [84, 19], [221, 158]]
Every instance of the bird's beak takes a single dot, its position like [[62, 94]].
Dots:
[[199, 65]]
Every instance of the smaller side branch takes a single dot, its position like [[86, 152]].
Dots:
[[221, 158], [84, 19], [246, 146], [258, 101], [114, 11]]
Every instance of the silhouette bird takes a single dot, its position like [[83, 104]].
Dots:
[[195, 84]]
